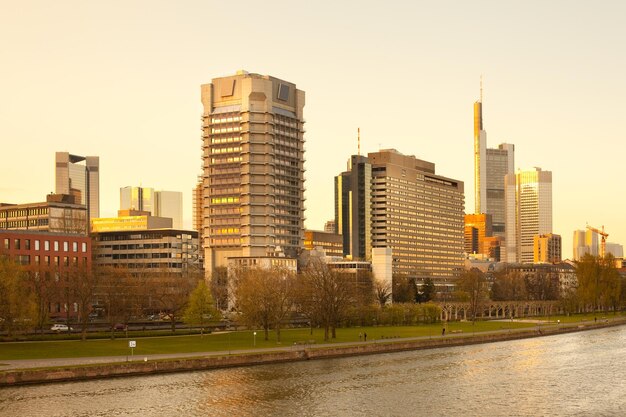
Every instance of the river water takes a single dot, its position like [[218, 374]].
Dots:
[[579, 374]]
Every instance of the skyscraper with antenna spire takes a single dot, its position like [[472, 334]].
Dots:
[[490, 167]]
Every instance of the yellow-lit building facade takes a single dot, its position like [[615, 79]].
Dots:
[[547, 248], [331, 243], [129, 220]]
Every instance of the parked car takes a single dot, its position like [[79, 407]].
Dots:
[[120, 326], [60, 328]]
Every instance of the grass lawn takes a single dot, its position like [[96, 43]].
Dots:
[[229, 340], [575, 318]]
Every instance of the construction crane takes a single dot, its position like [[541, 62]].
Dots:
[[602, 240]]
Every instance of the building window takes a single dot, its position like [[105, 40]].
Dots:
[[66, 261], [16, 244], [56, 245], [66, 246], [46, 245], [84, 247], [27, 244], [75, 246], [46, 260], [36, 244], [37, 260], [7, 243], [56, 261]]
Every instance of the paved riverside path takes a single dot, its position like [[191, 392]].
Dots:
[[64, 362]]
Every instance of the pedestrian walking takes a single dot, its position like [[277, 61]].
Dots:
[[365, 337]]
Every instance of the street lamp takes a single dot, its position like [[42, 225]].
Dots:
[[254, 333]]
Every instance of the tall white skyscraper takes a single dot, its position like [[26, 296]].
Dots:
[[490, 167], [528, 196], [158, 203], [79, 176], [253, 181]]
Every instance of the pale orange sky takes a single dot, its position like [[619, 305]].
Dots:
[[122, 80]]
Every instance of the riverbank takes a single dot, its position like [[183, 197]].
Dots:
[[138, 366]]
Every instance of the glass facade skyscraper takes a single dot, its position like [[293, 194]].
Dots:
[[79, 176]]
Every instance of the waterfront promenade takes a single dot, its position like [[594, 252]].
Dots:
[[28, 371]]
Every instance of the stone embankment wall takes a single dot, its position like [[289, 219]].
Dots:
[[37, 376]]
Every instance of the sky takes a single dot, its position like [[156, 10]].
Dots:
[[121, 80]]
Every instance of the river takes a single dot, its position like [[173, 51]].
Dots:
[[577, 374]]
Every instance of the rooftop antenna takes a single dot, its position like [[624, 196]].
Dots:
[[358, 133]]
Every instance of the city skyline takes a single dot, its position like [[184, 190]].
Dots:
[[112, 82]]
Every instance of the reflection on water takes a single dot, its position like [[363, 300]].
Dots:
[[578, 374]]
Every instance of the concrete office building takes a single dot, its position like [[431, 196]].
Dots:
[[490, 167], [149, 251], [547, 248], [253, 179], [79, 176], [418, 214], [58, 214], [528, 212], [353, 212], [158, 203]]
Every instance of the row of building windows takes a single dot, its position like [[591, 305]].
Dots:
[[18, 244], [37, 211], [226, 160], [48, 260], [140, 246], [228, 119], [226, 139], [232, 149], [23, 224], [225, 200], [228, 129], [148, 265]]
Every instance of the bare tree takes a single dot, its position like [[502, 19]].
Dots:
[[382, 292], [219, 287], [264, 297], [43, 289], [115, 288], [172, 292], [325, 296], [82, 285], [473, 284]]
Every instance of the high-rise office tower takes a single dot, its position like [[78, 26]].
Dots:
[[158, 203], [418, 214], [528, 212], [170, 204], [253, 180], [138, 198], [578, 245], [547, 248], [490, 167], [79, 176], [353, 211]]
